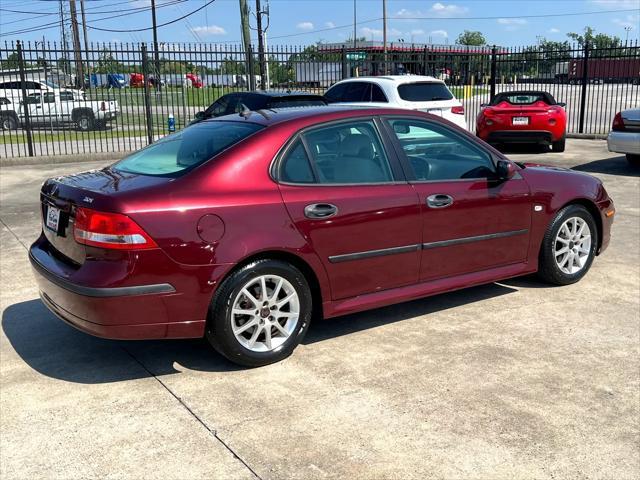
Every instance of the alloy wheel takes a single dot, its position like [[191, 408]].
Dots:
[[265, 313], [572, 246]]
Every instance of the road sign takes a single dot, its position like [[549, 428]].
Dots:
[[356, 55]]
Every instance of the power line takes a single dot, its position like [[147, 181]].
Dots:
[[547, 15]]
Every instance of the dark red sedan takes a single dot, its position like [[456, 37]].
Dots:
[[246, 227], [523, 117]]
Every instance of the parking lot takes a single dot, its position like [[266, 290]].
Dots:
[[508, 380]]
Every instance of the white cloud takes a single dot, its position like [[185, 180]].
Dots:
[[416, 32], [329, 24], [437, 10], [512, 21], [629, 21], [305, 26], [210, 30], [554, 30], [439, 33]]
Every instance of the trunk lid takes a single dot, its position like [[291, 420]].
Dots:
[[101, 190]]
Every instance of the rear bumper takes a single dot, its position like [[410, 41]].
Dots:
[[624, 142], [516, 136], [132, 312]]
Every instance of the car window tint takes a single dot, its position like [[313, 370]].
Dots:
[[348, 153], [181, 151], [436, 153], [252, 102], [285, 102], [424, 92], [377, 95], [49, 97], [33, 99], [32, 85], [335, 93], [66, 96], [352, 92], [295, 165], [4, 101], [218, 108]]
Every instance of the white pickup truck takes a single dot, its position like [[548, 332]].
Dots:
[[57, 108]]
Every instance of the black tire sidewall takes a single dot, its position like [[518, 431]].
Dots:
[[219, 331], [89, 122], [549, 267]]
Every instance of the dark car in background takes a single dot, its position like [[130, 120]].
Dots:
[[259, 100]]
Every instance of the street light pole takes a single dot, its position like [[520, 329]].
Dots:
[[156, 54], [355, 18], [627, 29], [384, 35]]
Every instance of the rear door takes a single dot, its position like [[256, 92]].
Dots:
[[470, 220], [346, 194]]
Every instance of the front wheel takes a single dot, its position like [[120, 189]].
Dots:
[[8, 122], [260, 313], [569, 246]]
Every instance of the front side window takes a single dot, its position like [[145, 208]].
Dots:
[[184, 150], [346, 153], [66, 96], [49, 97], [424, 92], [218, 108], [435, 153], [33, 99]]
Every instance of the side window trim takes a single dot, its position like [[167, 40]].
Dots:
[[408, 170], [397, 170]]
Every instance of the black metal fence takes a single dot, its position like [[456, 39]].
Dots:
[[120, 97]]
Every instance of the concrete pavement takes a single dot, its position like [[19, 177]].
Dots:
[[516, 379]]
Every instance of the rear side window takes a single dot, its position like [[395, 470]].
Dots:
[[424, 92], [352, 92], [295, 166], [184, 150], [66, 96]]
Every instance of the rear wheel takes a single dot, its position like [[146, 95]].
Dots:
[[85, 122], [559, 145], [569, 246], [260, 313], [8, 122], [633, 159]]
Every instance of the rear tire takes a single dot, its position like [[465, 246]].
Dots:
[[559, 146], [252, 338], [569, 246], [634, 160], [8, 122], [85, 122]]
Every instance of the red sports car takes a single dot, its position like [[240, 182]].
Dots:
[[245, 227], [523, 117]]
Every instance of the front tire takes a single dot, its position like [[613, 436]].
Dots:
[[569, 246], [558, 146], [8, 122], [634, 160], [260, 313]]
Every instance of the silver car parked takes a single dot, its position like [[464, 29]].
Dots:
[[624, 136]]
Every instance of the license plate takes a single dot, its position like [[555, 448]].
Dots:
[[521, 120], [435, 111], [52, 220]]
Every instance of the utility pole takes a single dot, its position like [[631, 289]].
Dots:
[[156, 53], [261, 57], [627, 29], [85, 37], [76, 44], [355, 18], [246, 41], [384, 34]]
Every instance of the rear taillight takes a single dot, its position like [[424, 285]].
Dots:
[[618, 123], [459, 110], [110, 230], [488, 111], [103, 106]]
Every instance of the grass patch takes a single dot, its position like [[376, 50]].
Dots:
[[458, 91]]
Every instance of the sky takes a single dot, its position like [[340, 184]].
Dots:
[[304, 22]]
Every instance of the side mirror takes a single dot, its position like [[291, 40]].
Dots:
[[561, 104], [483, 105], [505, 170]]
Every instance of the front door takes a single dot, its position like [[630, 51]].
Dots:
[[471, 221], [347, 196]]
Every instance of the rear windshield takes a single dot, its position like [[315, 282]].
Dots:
[[424, 92], [523, 98], [184, 150], [286, 102]]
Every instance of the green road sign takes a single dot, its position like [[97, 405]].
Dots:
[[356, 55]]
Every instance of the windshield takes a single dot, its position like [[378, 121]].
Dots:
[[523, 98], [424, 92], [184, 150], [50, 84]]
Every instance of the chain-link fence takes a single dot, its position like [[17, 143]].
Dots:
[[120, 97]]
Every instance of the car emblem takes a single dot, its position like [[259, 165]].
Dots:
[[87, 199]]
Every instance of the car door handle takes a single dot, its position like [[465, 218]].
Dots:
[[439, 200], [320, 210]]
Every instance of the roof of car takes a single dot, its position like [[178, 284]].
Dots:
[[289, 93], [397, 79], [270, 117]]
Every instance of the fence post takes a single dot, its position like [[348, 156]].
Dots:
[[250, 70], [494, 68], [344, 63], [425, 59], [25, 106], [147, 96], [585, 80]]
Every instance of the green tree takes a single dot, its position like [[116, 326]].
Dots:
[[601, 43], [471, 38], [11, 63]]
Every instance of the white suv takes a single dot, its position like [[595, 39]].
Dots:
[[414, 92]]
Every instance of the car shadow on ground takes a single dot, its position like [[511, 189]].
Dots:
[[610, 166], [59, 351], [522, 148]]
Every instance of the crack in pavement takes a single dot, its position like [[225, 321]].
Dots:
[[14, 235], [214, 433]]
